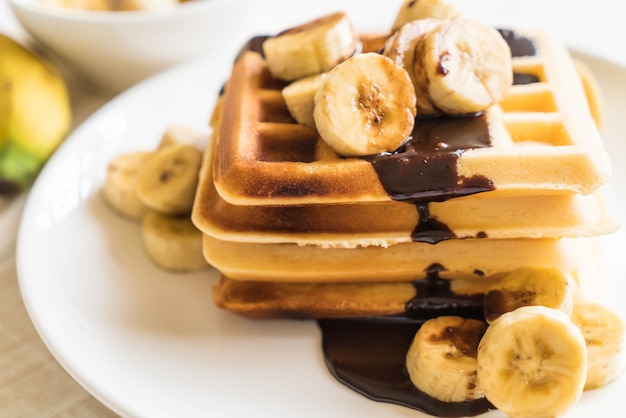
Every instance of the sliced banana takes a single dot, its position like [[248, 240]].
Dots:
[[180, 134], [412, 10], [526, 286], [467, 65], [168, 179], [365, 105], [459, 66], [299, 97], [532, 362], [441, 360], [311, 48], [120, 186], [603, 330], [173, 242], [401, 48]]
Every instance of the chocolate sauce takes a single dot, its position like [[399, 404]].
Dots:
[[442, 69], [495, 304], [520, 46], [254, 44], [429, 229], [424, 169], [369, 354], [524, 78], [433, 298]]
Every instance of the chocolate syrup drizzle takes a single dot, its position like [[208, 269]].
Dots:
[[424, 169], [368, 354]]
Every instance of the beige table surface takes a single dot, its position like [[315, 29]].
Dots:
[[32, 383]]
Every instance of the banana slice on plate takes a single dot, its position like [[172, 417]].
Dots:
[[603, 330], [168, 179], [532, 362], [441, 360], [311, 48], [180, 134], [526, 286], [365, 105], [173, 242], [120, 186], [412, 10]]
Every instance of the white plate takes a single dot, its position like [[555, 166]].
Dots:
[[149, 343]]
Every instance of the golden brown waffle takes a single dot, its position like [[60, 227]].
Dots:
[[470, 259], [263, 299], [543, 140], [389, 223], [266, 297]]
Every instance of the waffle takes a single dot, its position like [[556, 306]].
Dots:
[[389, 223], [540, 139], [270, 296], [298, 231], [469, 259]]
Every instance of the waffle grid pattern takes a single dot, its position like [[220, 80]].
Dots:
[[544, 141]]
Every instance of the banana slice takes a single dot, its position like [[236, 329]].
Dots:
[[299, 97], [365, 105], [458, 66], [412, 10], [120, 186], [529, 286], [173, 242], [603, 330], [441, 360], [532, 362], [466, 66], [168, 179], [311, 48], [401, 48], [180, 134]]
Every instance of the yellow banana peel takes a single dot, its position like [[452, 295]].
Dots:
[[35, 115]]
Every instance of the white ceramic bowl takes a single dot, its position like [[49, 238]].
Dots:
[[115, 50]]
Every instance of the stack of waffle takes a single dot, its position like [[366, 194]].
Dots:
[[299, 231]]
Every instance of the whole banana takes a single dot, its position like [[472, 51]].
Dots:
[[35, 115]]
